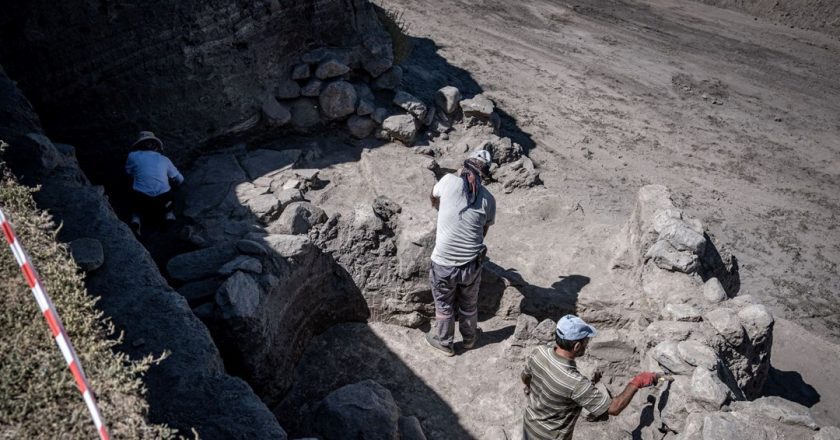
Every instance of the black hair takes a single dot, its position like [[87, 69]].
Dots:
[[565, 344]]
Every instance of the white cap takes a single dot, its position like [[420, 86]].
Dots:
[[482, 155]]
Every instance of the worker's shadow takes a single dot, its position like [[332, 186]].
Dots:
[[541, 302]]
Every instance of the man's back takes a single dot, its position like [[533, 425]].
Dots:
[[460, 232], [151, 172], [558, 394]]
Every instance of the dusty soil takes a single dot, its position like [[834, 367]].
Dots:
[[739, 117]]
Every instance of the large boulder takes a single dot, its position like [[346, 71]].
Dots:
[[360, 126], [447, 99], [238, 297], [364, 410], [298, 218], [411, 104], [389, 80], [338, 99], [400, 127]]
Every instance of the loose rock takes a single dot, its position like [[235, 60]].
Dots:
[[447, 99], [697, 354], [298, 218], [87, 253], [390, 80], [275, 114], [239, 296], [301, 71], [713, 291], [477, 106], [338, 100], [360, 126], [241, 263], [331, 68], [365, 410], [411, 104], [312, 88], [400, 127]]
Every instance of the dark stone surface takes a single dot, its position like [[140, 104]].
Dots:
[[97, 72]]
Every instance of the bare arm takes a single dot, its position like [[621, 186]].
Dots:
[[621, 401]]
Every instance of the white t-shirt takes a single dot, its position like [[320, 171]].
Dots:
[[151, 172], [460, 236]]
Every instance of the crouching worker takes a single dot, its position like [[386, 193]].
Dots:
[[557, 391], [466, 209], [152, 173]]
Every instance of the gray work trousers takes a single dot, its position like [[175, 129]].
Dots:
[[455, 286]]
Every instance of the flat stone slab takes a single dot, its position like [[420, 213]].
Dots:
[[258, 163]]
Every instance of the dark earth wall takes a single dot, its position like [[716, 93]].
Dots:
[[98, 71]]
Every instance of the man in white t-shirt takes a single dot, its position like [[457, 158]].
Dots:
[[466, 210], [152, 173]]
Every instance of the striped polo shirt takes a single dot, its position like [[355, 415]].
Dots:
[[558, 394]]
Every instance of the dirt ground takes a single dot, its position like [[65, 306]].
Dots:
[[739, 117]]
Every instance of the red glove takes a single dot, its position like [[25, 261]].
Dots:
[[644, 379]]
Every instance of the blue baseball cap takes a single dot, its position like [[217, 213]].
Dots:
[[572, 328]]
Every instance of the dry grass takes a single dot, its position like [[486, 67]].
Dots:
[[394, 23], [39, 397]]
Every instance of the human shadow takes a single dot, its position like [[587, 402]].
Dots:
[[544, 302], [791, 386]]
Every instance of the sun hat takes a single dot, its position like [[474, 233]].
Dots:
[[572, 328], [145, 136]]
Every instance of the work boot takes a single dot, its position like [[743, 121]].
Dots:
[[433, 342], [470, 343]]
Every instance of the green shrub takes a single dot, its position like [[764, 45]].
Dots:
[[396, 26], [39, 396]]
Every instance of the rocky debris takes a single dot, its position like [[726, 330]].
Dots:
[[203, 263], [241, 263], [274, 113], [258, 163], [681, 312], [298, 218], [301, 71], [386, 208], [697, 354], [330, 68], [265, 207], [758, 322], [400, 127], [250, 247], [47, 156], [366, 107], [287, 90], [87, 253], [518, 174], [713, 291], [360, 126], [410, 429], [726, 324], [777, 408], [659, 331], [378, 54], [338, 99], [364, 410], [667, 355], [380, 114], [305, 114], [447, 99], [411, 104], [528, 334], [828, 433], [390, 80], [312, 88], [238, 297], [201, 291], [708, 390], [479, 105]]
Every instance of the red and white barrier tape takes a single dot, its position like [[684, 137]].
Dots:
[[54, 322]]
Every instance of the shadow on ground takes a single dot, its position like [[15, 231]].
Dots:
[[791, 386]]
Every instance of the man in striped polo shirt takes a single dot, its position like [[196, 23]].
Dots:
[[557, 391]]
